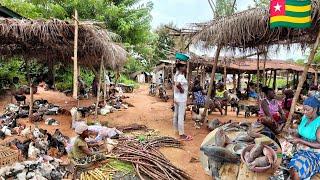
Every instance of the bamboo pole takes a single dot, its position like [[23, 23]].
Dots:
[[302, 80], [99, 89], [75, 56], [212, 80]]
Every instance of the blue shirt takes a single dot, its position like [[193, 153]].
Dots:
[[309, 132]]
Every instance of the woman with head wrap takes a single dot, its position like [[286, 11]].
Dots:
[[80, 147], [306, 161]]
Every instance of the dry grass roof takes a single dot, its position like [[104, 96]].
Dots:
[[250, 29], [53, 40], [250, 65]]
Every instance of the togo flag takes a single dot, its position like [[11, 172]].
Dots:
[[290, 13]]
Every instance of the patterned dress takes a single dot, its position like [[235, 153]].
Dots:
[[307, 160]]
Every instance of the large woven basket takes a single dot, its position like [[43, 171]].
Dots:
[[7, 156]]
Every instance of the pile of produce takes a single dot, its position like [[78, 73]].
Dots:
[[259, 156], [110, 170]]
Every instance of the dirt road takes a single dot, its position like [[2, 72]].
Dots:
[[149, 111]]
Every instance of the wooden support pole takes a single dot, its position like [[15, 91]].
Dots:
[[104, 86], [75, 56], [234, 82], [99, 89], [239, 81], [225, 75], [302, 79], [264, 81], [316, 76], [269, 79], [274, 84], [288, 73], [249, 79], [31, 88], [258, 72], [212, 80]]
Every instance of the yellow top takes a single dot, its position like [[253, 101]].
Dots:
[[219, 94]]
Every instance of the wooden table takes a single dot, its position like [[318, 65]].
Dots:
[[239, 171]]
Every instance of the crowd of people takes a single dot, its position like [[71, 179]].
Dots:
[[273, 115]]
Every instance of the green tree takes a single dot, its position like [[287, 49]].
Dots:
[[225, 7], [165, 43], [261, 3]]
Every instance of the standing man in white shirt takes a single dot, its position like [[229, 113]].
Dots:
[[180, 100], [108, 82]]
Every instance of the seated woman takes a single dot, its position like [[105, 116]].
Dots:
[[80, 148], [252, 92], [221, 97], [198, 94], [287, 101], [270, 114], [306, 161]]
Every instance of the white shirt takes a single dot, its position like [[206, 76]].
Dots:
[[107, 79], [178, 96]]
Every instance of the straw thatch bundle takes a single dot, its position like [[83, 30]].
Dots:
[[250, 29], [53, 40]]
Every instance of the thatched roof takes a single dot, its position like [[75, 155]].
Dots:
[[53, 40], [250, 29], [249, 65]]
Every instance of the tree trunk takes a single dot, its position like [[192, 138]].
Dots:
[[302, 80], [212, 80], [75, 56], [99, 89]]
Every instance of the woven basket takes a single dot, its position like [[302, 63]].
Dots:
[[7, 156]]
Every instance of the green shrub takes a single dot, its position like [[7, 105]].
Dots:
[[62, 86], [127, 81]]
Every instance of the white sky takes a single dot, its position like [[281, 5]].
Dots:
[[184, 12]]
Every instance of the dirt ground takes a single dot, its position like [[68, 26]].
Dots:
[[149, 111]]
